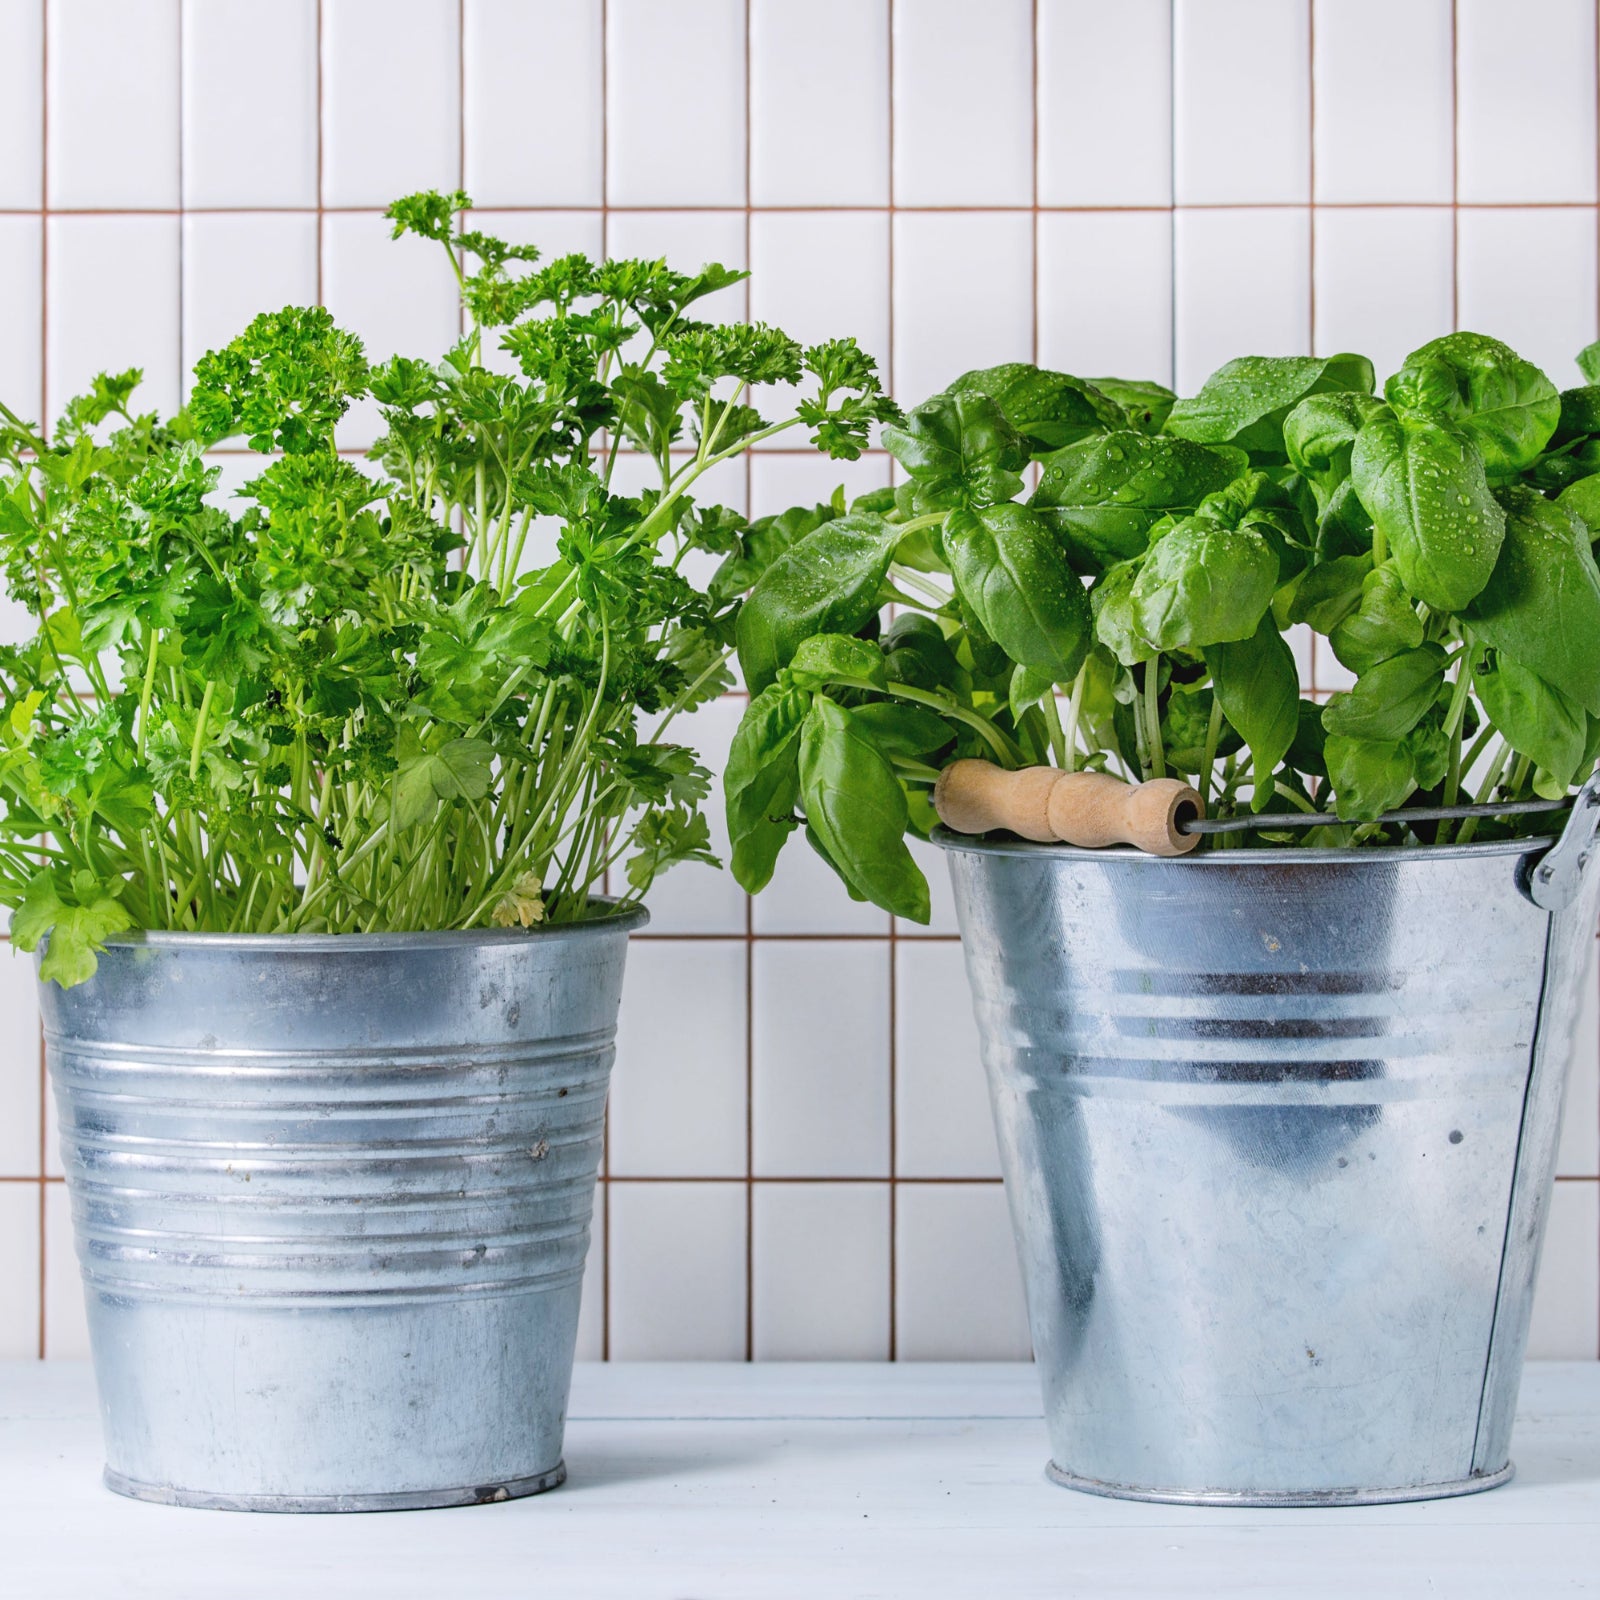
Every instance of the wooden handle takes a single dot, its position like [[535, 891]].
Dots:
[[1091, 809]]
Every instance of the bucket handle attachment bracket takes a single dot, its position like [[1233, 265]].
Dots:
[[1551, 880]]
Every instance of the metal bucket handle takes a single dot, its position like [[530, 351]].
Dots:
[[1551, 880]]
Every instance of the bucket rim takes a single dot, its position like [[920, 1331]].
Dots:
[[611, 921], [1287, 856]]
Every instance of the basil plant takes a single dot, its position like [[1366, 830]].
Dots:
[[432, 690], [1129, 613]]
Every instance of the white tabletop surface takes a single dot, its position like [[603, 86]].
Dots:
[[816, 1482]]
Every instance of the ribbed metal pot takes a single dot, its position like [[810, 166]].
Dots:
[[1278, 1130], [331, 1196]]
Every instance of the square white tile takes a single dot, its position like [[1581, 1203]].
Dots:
[[391, 107], [544, 148], [1385, 281], [941, 901], [237, 265], [963, 297], [692, 897], [1241, 101], [112, 78], [1525, 86], [675, 87], [113, 297], [943, 1125], [820, 1058], [678, 1088], [1243, 288], [958, 1291], [806, 896], [556, 233], [677, 1271], [963, 103], [21, 280], [1579, 1155], [592, 1311], [20, 1104], [22, 103], [1105, 293], [821, 275], [821, 1285], [66, 1327], [810, 53], [688, 240], [790, 478], [19, 1271], [398, 295], [1566, 1301], [1502, 253], [1105, 103], [1383, 128], [263, 152]]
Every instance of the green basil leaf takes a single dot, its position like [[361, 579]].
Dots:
[[1505, 406], [899, 729], [1320, 433], [761, 783], [1306, 751], [1147, 404], [1028, 687], [1203, 584], [1542, 606], [1111, 604], [1012, 574], [1246, 401], [1369, 776], [826, 657], [856, 807], [1103, 494], [915, 651], [1423, 485], [1384, 623], [1048, 409], [1329, 592], [1589, 361], [1537, 719], [958, 450], [827, 582], [1388, 700], [1258, 684], [1582, 499]]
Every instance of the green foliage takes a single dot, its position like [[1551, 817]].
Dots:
[[426, 691], [1435, 537]]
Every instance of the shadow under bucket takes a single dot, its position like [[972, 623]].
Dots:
[[1279, 1132]]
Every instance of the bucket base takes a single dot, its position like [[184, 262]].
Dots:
[[407, 1500], [1311, 1497]]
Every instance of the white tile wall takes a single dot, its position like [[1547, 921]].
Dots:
[[801, 1161]]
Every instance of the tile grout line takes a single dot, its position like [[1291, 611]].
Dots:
[[1172, 191], [44, 394], [605, 255], [893, 1063], [749, 909], [1455, 166], [1311, 236], [322, 143]]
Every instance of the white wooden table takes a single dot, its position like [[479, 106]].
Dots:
[[812, 1482]]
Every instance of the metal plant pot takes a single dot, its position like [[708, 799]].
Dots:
[[331, 1197], [1278, 1130]]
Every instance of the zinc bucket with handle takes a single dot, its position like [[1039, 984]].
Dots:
[[1278, 1129], [331, 1196]]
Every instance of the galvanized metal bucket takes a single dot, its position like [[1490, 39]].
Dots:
[[331, 1197], [1278, 1130]]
